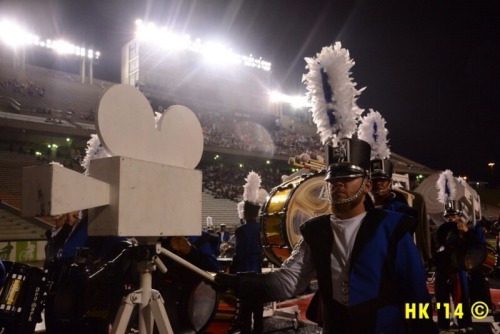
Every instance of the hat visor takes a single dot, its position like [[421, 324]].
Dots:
[[378, 175], [339, 170], [451, 213]]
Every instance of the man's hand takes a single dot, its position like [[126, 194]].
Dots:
[[246, 285], [229, 281], [462, 227]]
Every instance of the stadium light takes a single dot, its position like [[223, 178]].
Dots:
[[296, 102], [216, 52], [15, 36]]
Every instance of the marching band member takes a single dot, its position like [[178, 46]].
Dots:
[[248, 257], [372, 130], [453, 239], [70, 293], [365, 261]]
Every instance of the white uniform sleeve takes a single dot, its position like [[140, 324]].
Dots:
[[294, 274]]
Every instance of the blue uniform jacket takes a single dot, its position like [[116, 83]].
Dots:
[[385, 273], [247, 255]]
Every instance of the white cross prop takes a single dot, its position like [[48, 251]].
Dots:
[[148, 188]]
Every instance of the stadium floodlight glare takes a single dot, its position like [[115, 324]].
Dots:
[[15, 36], [219, 53], [296, 102], [161, 36]]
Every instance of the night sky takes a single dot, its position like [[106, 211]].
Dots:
[[431, 68]]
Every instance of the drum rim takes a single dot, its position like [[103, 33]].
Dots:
[[293, 183]]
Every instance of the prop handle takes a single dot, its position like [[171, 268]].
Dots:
[[185, 263]]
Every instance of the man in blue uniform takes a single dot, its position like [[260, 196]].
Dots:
[[451, 280], [247, 257], [71, 292], [384, 197], [367, 266]]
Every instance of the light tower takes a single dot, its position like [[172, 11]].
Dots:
[[19, 38]]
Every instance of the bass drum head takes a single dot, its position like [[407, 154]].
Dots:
[[288, 206], [202, 306]]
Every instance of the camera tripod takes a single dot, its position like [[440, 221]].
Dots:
[[150, 302]]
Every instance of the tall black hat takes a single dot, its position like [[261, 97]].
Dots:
[[251, 209], [350, 158], [452, 208], [447, 192], [381, 169]]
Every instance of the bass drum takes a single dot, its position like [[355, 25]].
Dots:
[[190, 305], [201, 306], [490, 262], [288, 206]]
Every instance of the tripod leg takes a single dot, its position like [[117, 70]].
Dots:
[[159, 313], [145, 320], [124, 312]]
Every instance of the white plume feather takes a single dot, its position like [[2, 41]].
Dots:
[[262, 196], [251, 188], [95, 150], [372, 130], [447, 188], [336, 64], [240, 208]]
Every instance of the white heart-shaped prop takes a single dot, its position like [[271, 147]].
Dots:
[[126, 127]]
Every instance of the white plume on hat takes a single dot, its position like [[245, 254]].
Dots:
[[251, 188], [262, 196], [209, 222], [240, 208], [335, 117], [372, 130], [94, 150], [447, 188]]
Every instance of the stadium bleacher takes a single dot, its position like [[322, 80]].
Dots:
[[43, 104]]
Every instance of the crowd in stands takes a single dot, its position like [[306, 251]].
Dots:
[[222, 181], [219, 131], [89, 115], [24, 88]]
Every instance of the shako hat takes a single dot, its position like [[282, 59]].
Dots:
[[333, 94], [452, 208], [447, 191], [381, 169], [251, 204], [350, 158]]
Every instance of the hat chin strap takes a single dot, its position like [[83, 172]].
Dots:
[[344, 202], [380, 191]]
